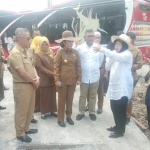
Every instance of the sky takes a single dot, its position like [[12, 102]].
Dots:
[[24, 5]]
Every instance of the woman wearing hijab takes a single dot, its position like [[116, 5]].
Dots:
[[44, 64], [67, 71], [121, 81]]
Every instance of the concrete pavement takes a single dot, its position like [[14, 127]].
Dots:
[[84, 135]]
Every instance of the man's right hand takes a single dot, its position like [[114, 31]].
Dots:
[[58, 83]]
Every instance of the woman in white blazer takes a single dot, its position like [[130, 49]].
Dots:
[[121, 81]]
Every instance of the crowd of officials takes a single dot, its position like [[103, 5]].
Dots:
[[38, 74]]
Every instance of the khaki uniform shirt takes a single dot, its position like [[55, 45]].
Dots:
[[137, 61], [1, 77], [67, 66], [20, 58]]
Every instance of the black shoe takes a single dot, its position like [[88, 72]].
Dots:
[[70, 121], [79, 117], [112, 129], [1, 107], [32, 131], [34, 121], [93, 117], [62, 124], [24, 138], [87, 108], [127, 120], [53, 114], [43, 116], [115, 135], [99, 111]]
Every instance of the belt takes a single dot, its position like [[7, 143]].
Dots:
[[23, 82]]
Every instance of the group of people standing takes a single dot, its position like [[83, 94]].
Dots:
[[38, 74]]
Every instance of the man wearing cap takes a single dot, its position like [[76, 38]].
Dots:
[[25, 81], [67, 73], [137, 64], [90, 64]]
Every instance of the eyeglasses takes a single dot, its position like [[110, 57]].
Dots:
[[28, 39]]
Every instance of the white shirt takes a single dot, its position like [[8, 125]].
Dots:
[[121, 80], [74, 45], [90, 63], [11, 45]]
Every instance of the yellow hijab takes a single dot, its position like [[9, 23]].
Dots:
[[44, 39], [35, 43]]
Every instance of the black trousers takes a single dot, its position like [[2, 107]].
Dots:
[[118, 108], [148, 116]]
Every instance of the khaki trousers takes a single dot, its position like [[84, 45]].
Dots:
[[100, 91], [24, 97], [65, 98], [91, 90]]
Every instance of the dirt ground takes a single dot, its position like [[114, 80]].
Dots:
[[139, 107]]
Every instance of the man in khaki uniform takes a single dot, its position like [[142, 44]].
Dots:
[[36, 32], [1, 76], [100, 91], [137, 64], [25, 81]]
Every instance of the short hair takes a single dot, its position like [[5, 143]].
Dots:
[[89, 31], [131, 35], [20, 31], [120, 32], [96, 32], [36, 29], [124, 45]]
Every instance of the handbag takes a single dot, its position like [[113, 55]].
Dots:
[[147, 77]]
